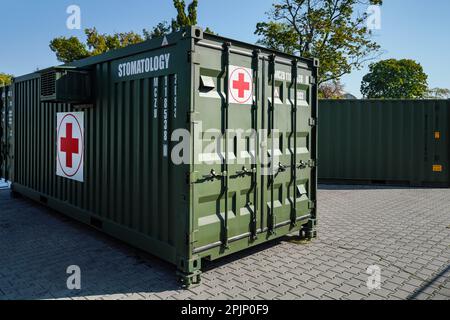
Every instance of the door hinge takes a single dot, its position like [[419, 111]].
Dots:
[[312, 80], [192, 177], [312, 163], [193, 57], [192, 116], [312, 122], [311, 204], [191, 238]]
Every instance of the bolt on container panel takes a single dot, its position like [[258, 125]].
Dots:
[[401, 142], [132, 189]]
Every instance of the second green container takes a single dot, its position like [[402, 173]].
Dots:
[[400, 142]]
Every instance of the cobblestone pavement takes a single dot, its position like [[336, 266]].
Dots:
[[406, 232]]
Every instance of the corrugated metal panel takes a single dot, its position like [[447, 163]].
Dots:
[[115, 149], [225, 207], [384, 141], [133, 191], [6, 133], [2, 131]]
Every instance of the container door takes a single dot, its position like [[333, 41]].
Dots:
[[224, 123], [6, 133], [288, 190], [254, 141]]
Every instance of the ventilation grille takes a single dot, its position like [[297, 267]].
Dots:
[[48, 84]]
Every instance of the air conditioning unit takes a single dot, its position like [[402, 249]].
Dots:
[[66, 85]]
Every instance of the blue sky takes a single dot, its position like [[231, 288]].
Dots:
[[413, 29]]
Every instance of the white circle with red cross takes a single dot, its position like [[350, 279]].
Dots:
[[70, 145], [240, 85]]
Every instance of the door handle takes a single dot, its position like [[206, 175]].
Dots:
[[245, 171], [214, 175], [302, 164]]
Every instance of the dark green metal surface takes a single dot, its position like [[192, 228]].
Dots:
[[66, 85], [401, 142], [6, 133], [133, 191]]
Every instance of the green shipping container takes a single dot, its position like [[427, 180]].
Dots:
[[394, 142], [190, 147]]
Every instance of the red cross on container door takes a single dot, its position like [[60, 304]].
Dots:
[[240, 85], [70, 145]]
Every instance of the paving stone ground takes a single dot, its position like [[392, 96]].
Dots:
[[405, 232]]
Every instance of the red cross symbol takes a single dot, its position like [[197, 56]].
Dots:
[[69, 145], [241, 85]]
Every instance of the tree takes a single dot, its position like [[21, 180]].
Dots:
[[438, 93], [71, 49], [395, 79], [330, 30], [161, 29], [101, 43], [183, 19], [331, 90], [5, 79]]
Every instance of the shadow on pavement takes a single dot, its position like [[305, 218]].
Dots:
[[39, 244], [429, 283]]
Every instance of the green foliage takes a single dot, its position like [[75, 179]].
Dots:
[[161, 29], [5, 79], [186, 18], [183, 19], [278, 36], [395, 79], [101, 43], [330, 30], [71, 49]]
